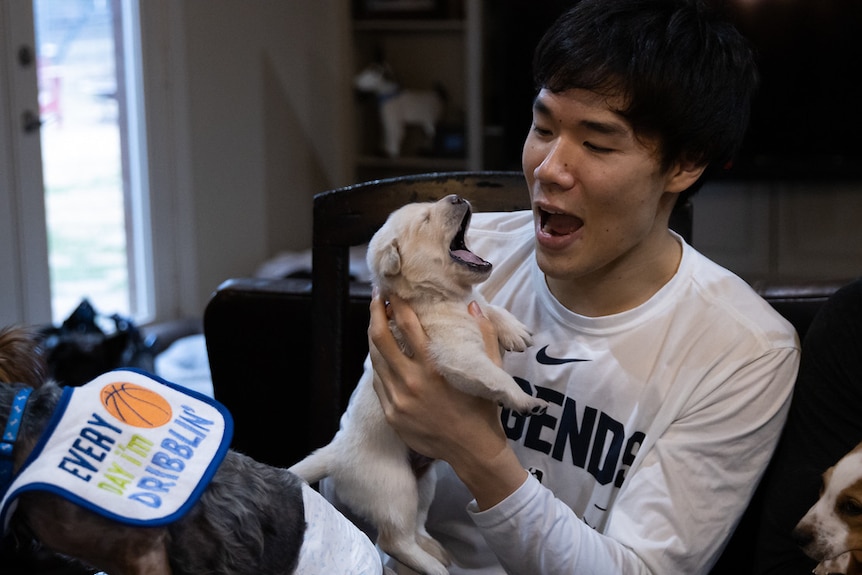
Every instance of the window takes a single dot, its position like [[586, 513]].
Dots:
[[96, 202]]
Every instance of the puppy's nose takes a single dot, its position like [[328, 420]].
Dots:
[[455, 199]]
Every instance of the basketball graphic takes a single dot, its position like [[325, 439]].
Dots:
[[136, 405]]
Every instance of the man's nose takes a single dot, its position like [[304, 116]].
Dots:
[[558, 165]]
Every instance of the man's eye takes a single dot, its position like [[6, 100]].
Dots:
[[595, 148], [541, 131]]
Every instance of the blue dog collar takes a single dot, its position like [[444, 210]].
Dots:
[[10, 436], [386, 97]]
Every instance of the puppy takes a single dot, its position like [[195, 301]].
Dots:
[[419, 255], [250, 519], [831, 531]]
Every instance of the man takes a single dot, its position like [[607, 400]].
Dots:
[[669, 379]]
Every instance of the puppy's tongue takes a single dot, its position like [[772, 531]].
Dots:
[[560, 224], [467, 256]]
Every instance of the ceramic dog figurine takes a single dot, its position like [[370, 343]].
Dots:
[[400, 107], [831, 531], [249, 518]]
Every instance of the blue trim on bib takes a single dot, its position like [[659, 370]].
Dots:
[[65, 398], [10, 436]]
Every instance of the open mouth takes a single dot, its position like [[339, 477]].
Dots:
[[834, 565], [458, 248], [557, 224]]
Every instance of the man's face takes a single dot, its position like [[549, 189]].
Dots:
[[596, 190]]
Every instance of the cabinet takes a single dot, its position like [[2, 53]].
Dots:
[[422, 51]]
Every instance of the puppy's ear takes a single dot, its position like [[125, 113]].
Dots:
[[390, 259]]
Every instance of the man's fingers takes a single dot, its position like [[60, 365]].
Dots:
[[378, 327], [408, 324], [489, 332], [380, 336]]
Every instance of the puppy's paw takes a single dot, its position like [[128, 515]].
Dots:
[[511, 333], [514, 337], [530, 405], [539, 408], [433, 548]]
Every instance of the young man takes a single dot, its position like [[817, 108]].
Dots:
[[668, 378]]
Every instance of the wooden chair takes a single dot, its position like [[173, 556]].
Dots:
[[348, 217]]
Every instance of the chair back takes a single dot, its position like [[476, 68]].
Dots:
[[349, 216]]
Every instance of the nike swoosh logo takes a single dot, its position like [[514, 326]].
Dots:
[[545, 359]]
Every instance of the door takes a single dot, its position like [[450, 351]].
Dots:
[[24, 287], [76, 193]]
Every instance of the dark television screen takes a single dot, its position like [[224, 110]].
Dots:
[[807, 118]]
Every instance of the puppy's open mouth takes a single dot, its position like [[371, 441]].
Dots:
[[838, 564], [458, 248]]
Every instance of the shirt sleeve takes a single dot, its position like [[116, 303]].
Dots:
[[678, 508], [555, 541]]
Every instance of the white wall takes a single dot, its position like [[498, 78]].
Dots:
[[267, 101]]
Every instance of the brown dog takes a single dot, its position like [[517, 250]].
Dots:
[[251, 518], [831, 531]]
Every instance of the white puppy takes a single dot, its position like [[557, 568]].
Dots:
[[831, 531], [419, 254]]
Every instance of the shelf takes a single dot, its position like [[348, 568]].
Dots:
[[424, 163], [422, 53], [413, 25]]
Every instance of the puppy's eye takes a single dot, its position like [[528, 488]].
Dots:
[[849, 507]]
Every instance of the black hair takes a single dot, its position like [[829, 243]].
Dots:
[[687, 76]]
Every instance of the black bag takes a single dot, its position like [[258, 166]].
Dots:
[[79, 350]]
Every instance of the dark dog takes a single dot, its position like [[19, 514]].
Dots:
[[250, 519]]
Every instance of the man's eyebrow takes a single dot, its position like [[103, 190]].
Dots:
[[608, 128], [540, 107]]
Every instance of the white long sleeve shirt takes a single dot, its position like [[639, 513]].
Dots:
[[661, 422]]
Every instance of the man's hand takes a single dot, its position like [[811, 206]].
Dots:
[[432, 417]]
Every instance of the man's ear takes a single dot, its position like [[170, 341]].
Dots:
[[683, 175]]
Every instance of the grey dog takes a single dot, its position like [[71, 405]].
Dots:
[[250, 519]]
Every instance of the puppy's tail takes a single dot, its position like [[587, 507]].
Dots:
[[315, 466]]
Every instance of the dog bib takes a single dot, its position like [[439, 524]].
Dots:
[[129, 446], [333, 544]]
